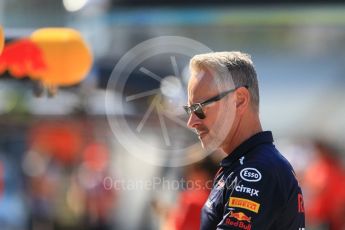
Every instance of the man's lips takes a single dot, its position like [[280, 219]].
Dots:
[[201, 131]]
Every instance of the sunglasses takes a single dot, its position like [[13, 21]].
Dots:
[[197, 107]]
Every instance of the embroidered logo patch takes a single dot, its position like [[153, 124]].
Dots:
[[244, 203]]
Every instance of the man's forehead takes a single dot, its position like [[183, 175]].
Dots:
[[201, 85], [202, 79]]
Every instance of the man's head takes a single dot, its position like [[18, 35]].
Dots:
[[232, 76]]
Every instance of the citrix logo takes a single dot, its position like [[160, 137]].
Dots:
[[250, 191]]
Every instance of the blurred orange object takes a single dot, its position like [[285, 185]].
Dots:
[[66, 54], [53, 56], [2, 39]]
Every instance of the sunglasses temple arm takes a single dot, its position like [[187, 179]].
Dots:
[[217, 98]]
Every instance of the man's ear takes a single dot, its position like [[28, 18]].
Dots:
[[242, 99]]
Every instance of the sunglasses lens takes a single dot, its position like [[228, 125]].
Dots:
[[196, 109], [199, 112]]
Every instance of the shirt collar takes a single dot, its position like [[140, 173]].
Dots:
[[246, 146]]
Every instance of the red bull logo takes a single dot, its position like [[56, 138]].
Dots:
[[240, 216], [238, 224]]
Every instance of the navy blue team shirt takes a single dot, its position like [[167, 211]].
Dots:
[[255, 188]]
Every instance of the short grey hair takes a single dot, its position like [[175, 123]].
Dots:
[[234, 67]]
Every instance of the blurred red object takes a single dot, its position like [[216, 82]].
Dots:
[[21, 58], [62, 140], [325, 182], [95, 156], [187, 214]]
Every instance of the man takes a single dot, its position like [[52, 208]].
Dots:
[[255, 187]]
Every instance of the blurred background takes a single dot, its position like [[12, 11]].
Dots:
[[62, 165]]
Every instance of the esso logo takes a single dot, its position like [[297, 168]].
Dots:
[[250, 174]]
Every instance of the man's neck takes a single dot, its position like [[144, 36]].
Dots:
[[243, 132]]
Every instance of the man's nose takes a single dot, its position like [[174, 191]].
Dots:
[[193, 121]]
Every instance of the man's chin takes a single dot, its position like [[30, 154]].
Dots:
[[209, 146]]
